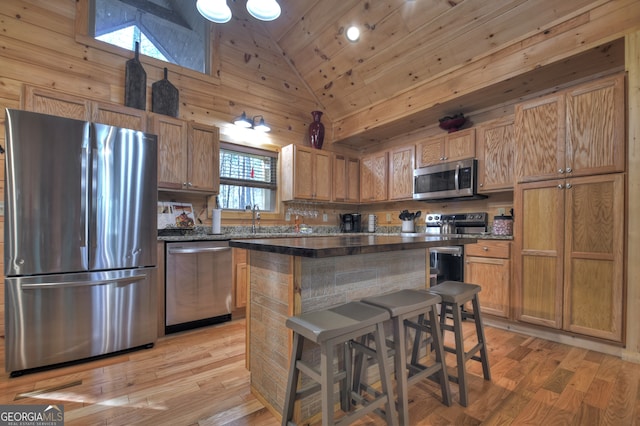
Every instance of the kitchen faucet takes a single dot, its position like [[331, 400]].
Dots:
[[255, 214]]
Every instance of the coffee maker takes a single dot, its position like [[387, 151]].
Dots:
[[351, 222]]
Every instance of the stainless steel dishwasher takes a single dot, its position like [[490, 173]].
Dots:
[[198, 284]]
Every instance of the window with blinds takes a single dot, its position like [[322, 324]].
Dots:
[[247, 178]]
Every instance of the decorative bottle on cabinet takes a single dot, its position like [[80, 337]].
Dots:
[[316, 130]]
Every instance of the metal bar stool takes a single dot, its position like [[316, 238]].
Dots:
[[405, 306], [329, 328], [454, 295]]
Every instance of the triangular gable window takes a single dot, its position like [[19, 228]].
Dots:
[[127, 37]]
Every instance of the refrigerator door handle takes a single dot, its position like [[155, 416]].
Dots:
[[119, 281], [83, 199], [197, 250]]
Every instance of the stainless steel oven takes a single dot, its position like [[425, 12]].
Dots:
[[447, 263]]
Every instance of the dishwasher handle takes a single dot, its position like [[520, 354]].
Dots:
[[195, 250]]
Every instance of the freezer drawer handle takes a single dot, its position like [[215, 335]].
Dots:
[[123, 280], [197, 250]]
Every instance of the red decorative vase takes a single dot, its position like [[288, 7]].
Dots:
[[316, 130]]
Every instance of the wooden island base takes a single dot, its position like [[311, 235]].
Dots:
[[283, 285]]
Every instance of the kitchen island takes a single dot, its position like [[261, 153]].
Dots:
[[289, 276]]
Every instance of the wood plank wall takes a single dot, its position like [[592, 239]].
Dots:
[[40, 45]]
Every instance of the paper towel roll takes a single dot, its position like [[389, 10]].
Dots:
[[216, 214]]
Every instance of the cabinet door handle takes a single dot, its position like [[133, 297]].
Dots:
[[560, 186], [485, 248], [561, 171], [568, 186], [569, 170]]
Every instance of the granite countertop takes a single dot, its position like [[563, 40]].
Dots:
[[235, 235], [344, 245]]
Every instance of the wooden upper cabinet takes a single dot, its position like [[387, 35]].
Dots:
[[203, 157], [443, 149], [576, 132], [119, 116], [596, 127], [401, 165], [430, 151], [306, 173], [56, 103], [494, 151], [539, 134], [172, 151], [373, 177], [346, 178]]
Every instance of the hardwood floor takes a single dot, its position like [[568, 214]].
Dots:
[[198, 378]]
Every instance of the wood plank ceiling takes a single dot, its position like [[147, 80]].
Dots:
[[406, 44]]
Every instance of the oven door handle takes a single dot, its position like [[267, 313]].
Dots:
[[454, 251]]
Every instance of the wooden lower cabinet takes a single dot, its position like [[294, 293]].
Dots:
[[488, 264], [570, 255], [239, 275]]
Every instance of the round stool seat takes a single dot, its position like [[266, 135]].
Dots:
[[455, 291]]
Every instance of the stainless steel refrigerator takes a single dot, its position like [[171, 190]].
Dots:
[[80, 240]]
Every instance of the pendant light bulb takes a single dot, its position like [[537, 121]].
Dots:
[[214, 10], [264, 10], [243, 121], [261, 126]]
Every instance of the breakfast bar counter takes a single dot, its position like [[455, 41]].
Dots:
[[289, 276]]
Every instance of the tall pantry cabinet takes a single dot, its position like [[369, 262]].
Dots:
[[570, 196]]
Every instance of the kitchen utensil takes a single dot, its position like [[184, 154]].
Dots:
[[135, 85], [448, 227], [164, 97]]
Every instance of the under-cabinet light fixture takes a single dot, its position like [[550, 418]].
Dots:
[[218, 11], [250, 123]]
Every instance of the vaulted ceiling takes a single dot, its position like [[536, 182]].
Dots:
[[419, 60], [405, 45]]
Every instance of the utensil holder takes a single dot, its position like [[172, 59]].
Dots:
[[407, 226]]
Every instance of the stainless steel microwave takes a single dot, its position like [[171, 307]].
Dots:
[[446, 181]]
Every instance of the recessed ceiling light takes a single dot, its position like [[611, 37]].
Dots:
[[353, 33]]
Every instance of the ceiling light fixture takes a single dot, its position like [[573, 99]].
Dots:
[[264, 10], [214, 10], [247, 123], [353, 33], [218, 11]]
